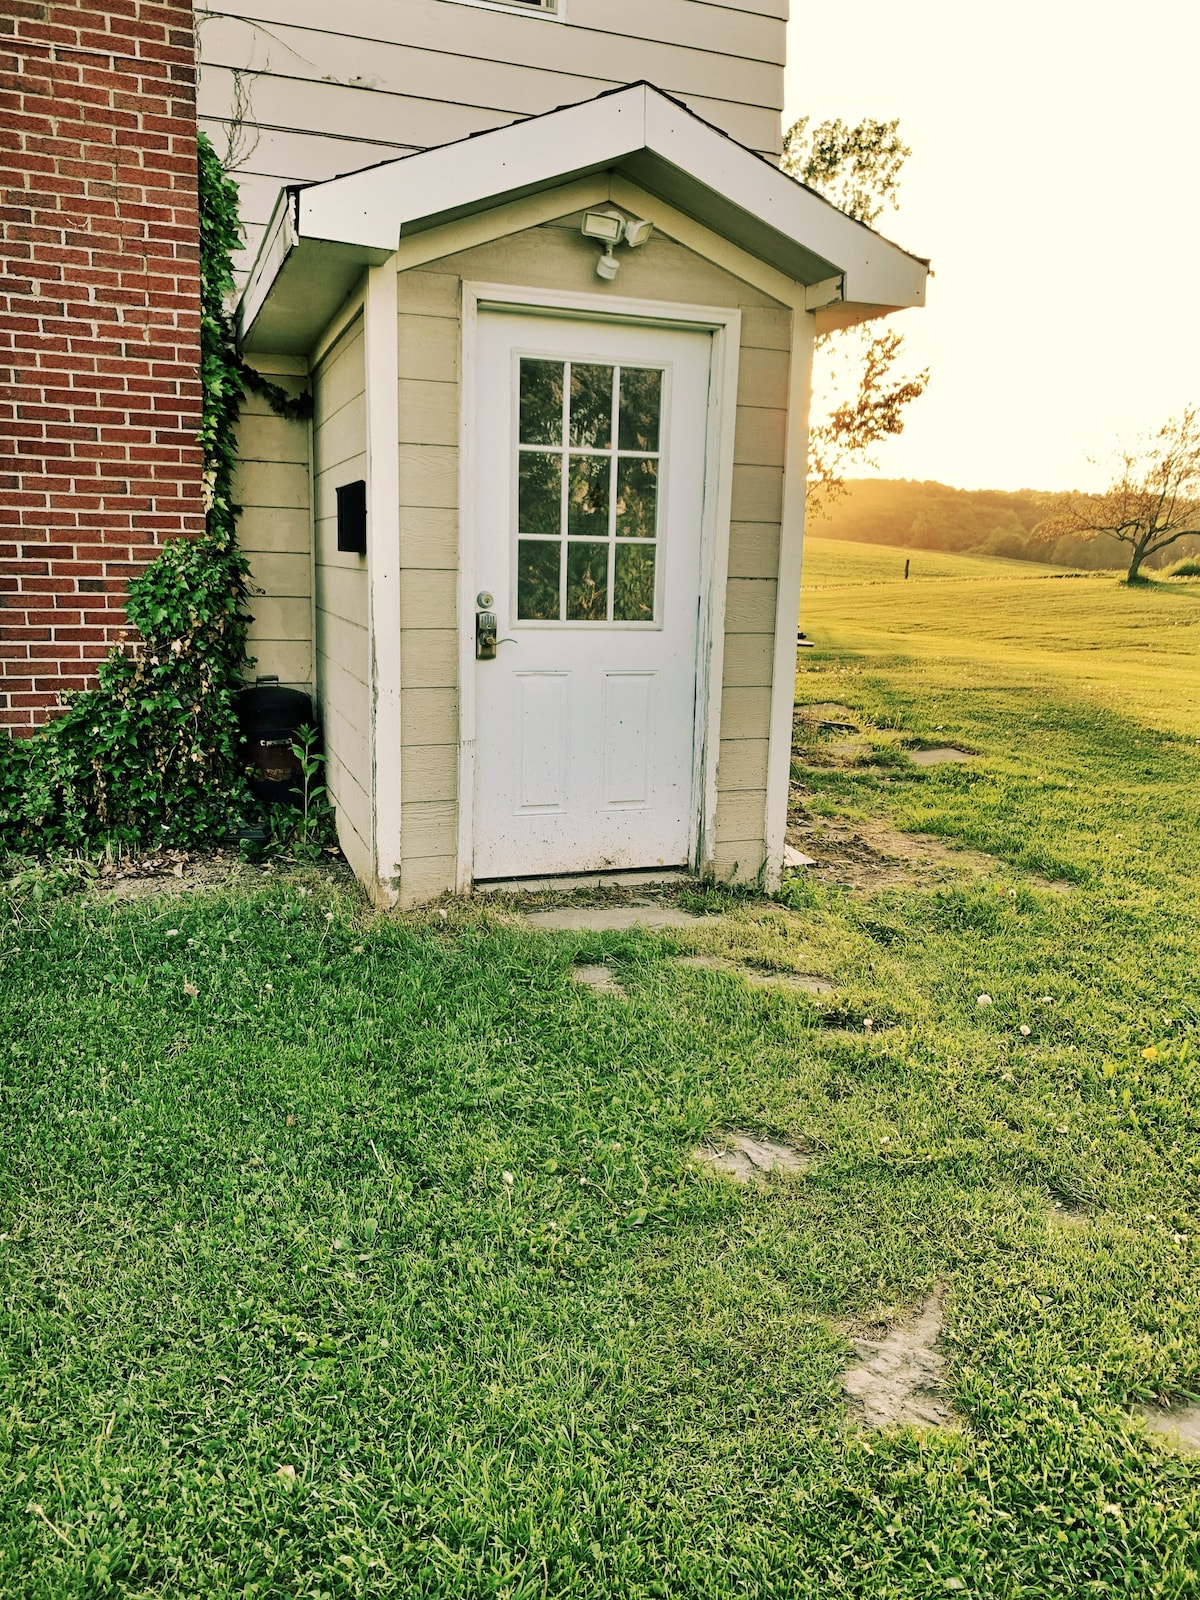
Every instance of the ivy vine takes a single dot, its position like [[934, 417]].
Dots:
[[151, 755]]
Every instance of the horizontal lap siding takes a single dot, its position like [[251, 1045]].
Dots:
[[343, 651], [328, 91], [429, 338], [552, 257], [273, 488]]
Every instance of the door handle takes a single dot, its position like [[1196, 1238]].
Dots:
[[485, 635]]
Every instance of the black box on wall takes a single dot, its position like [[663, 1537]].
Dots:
[[352, 517]]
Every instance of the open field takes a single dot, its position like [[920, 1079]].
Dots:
[[982, 620], [369, 1256]]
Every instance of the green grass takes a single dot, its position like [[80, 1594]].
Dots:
[[984, 622], [272, 1224]]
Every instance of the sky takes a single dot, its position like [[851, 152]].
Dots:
[[1055, 185]]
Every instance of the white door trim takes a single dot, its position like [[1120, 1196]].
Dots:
[[725, 325]]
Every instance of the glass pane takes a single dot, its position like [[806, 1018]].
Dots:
[[633, 583], [587, 583], [587, 497], [537, 579], [637, 498], [539, 494], [591, 406], [641, 406], [541, 401]]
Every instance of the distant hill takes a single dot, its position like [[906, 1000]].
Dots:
[[993, 522]]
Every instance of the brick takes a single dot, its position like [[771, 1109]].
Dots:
[[99, 328]]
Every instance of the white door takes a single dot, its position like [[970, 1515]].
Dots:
[[589, 504]]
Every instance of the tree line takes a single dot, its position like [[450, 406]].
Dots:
[[994, 522]]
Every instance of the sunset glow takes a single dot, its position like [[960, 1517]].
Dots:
[[1053, 185]]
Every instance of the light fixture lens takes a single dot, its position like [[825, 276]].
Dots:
[[637, 232], [603, 225]]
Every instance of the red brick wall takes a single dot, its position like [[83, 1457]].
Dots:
[[99, 326]]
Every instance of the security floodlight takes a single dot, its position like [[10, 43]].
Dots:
[[605, 225], [637, 232]]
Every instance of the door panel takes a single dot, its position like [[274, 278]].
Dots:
[[542, 704], [628, 738], [588, 512]]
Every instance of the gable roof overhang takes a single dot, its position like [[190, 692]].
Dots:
[[321, 236]]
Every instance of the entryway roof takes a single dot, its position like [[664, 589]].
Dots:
[[321, 235]]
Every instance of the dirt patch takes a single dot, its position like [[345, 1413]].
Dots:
[[610, 919], [868, 855], [854, 751], [829, 714], [599, 979], [939, 755], [182, 872], [1066, 1214], [1177, 1426], [749, 1160], [760, 978], [899, 1377]]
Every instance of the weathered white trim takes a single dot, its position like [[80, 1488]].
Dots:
[[464, 868], [718, 506], [278, 241], [701, 240], [497, 222], [659, 142], [826, 293], [381, 343], [787, 604], [725, 324], [354, 307]]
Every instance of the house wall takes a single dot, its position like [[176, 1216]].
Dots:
[[342, 644], [319, 92], [99, 329], [272, 485], [554, 256]]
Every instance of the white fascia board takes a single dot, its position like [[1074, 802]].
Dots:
[[279, 240], [668, 149], [372, 207], [874, 270]]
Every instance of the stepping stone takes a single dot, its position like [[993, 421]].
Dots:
[[899, 1378], [609, 919], [599, 979], [793, 858], [1177, 1427], [936, 757], [748, 1160], [762, 980]]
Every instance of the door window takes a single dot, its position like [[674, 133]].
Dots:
[[588, 458]]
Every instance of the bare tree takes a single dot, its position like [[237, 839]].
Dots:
[[859, 394], [1152, 500]]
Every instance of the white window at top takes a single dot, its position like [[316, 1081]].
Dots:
[[552, 8]]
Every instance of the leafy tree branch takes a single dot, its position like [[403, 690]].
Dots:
[[860, 392]]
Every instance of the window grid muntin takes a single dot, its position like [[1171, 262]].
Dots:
[[564, 450]]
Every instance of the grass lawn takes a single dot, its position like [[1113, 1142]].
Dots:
[[380, 1265]]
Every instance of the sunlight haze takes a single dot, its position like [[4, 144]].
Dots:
[[1053, 186]]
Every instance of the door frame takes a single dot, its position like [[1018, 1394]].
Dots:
[[724, 323]]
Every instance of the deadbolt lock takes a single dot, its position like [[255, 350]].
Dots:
[[485, 636]]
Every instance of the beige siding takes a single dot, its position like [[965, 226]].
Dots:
[[342, 648], [272, 485], [430, 341], [325, 91]]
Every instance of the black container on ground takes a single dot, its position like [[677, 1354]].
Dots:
[[270, 717]]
